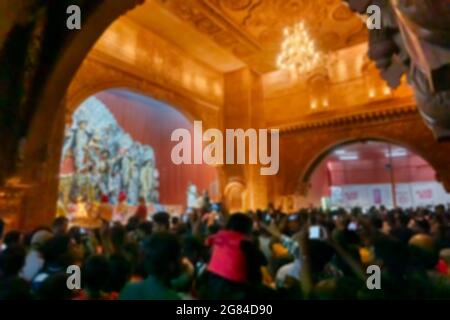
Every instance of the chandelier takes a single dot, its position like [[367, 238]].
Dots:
[[298, 50]]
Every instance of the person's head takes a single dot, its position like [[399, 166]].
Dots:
[[391, 255], [60, 226], [82, 124], [133, 223], [12, 260], [175, 221], [162, 253], [39, 238], [241, 223], [402, 220], [424, 254], [440, 209], [321, 253], [13, 238], [437, 227], [161, 222], [118, 233], [193, 249], [342, 222], [145, 228], [376, 222], [120, 273], [96, 272], [422, 226], [58, 251]]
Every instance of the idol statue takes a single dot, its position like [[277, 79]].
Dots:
[[103, 170], [146, 180], [192, 196], [133, 185], [77, 141], [107, 161], [155, 192]]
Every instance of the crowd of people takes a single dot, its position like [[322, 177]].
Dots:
[[205, 254]]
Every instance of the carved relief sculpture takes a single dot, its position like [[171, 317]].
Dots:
[[414, 40]]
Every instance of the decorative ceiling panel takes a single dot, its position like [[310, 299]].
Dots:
[[252, 29]]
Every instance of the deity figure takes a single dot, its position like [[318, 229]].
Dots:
[[146, 180], [126, 170], [114, 185], [78, 140], [192, 196], [93, 184], [107, 161], [95, 148], [133, 185], [103, 170], [155, 192]]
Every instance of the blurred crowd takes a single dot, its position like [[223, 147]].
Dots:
[[206, 254]]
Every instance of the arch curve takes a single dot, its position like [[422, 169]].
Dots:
[[309, 169], [93, 77], [406, 130]]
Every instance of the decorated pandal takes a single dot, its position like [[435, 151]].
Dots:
[[104, 174]]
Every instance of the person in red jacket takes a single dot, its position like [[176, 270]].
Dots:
[[235, 261]]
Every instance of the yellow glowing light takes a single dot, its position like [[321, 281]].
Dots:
[[314, 104], [387, 90], [298, 50], [372, 93]]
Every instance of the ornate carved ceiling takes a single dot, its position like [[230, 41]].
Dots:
[[251, 30]]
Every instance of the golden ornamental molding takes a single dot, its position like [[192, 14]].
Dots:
[[363, 117]]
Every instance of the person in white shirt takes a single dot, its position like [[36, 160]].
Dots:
[[34, 260]]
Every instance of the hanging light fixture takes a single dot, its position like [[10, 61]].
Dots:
[[298, 50]]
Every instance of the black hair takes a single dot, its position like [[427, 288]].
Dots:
[[55, 250], [393, 253], [146, 227], [320, 253], [133, 223], [96, 272], [60, 221], [118, 233], [12, 260], [376, 222], [12, 238], [175, 220], [423, 225], [162, 218], [241, 223], [403, 219], [162, 255], [120, 273]]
